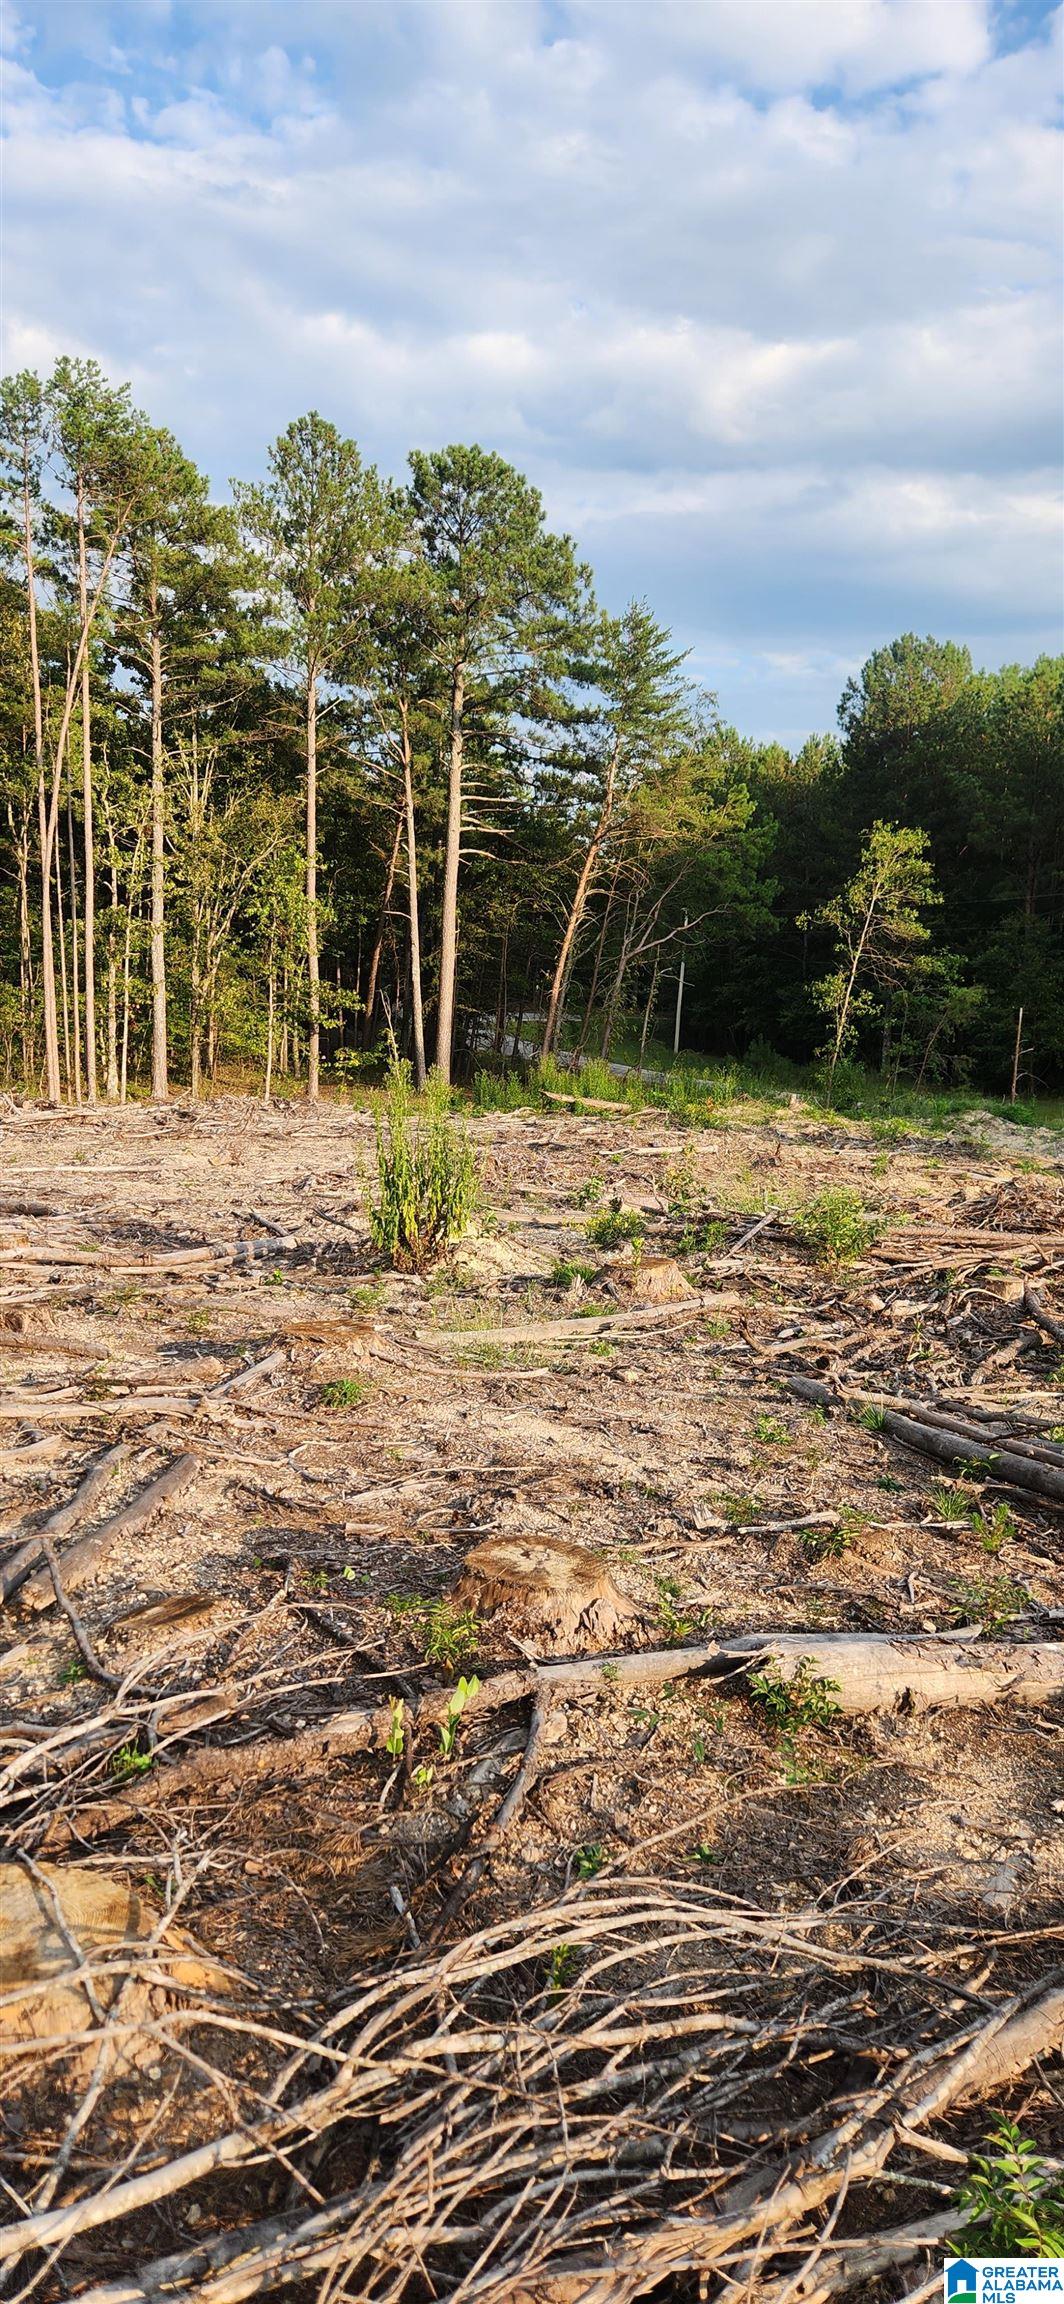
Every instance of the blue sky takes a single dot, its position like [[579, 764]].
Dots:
[[764, 295]]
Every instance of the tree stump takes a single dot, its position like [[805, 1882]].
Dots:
[[560, 1595]]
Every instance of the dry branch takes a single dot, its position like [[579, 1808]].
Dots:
[[576, 1331], [19, 1564], [84, 1559]]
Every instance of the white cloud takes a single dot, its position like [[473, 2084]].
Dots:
[[764, 295]]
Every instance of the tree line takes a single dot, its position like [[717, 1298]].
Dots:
[[346, 764]]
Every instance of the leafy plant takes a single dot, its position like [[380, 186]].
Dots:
[[562, 1967], [1012, 2204], [674, 1627], [129, 1760], [994, 1600], [448, 1635], [564, 1272], [703, 1854], [996, 1529], [836, 1225], [588, 1193], [825, 1543], [426, 1176], [342, 1392], [805, 1700], [951, 1503], [770, 1433], [873, 1419], [424, 1775], [72, 1673], [616, 1227], [395, 1740], [460, 1697], [590, 1859]]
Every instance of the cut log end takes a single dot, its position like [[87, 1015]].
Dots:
[[559, 1595]]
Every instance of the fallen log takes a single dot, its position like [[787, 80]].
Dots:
[[84, 1559], [576, 1331], [864, 1673], [15, 1569], [959, 1449], [1033, 1304]]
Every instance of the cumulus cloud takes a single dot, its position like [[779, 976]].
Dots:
[[764, 297]]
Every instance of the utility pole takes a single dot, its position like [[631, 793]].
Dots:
[[1016, 1054], [679, 996]]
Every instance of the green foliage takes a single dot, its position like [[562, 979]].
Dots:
[[562, 1967], [566, 1270], [770, 1433], [395, 1741], [995, 1529], [805, 1699], [342, 1392], [836, 1225], [825, 1543], [992, 1601], [426, 1177], [675, 1627], [456, 1704], [447, 1635], [617, 1227], [873, 1419], [588, 1193], [590, 1859], [1010, 2203], [129, 1760]]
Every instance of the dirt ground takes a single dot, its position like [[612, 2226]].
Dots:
[[335, 1499]]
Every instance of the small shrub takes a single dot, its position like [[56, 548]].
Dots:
[[806, 1700], [770, 1433], [130, 1761], [426, 1176], [873, 1419], [1011, 2203], [951, 1502], [674, 1626], [342, 1392], [395, 1741], [563, 1274], [996, 1530], [836, 1225], [462, 1696], [825, 1543], [616, 1227], [993, 1600], [588, 1193], [591, 1859], [447, 1635]]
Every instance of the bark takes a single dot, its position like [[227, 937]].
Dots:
[[1011, 1464], [452, 858], [416, 993], [75, 987], [112, 986], [378, 941], [51, 1022], [25, 950], [85, 1558], [313, 982], [584, 884], [87, 819], [159, 1051]]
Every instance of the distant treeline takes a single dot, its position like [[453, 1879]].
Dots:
[[346, 765]]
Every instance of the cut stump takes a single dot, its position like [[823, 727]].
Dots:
[[559, 1595]]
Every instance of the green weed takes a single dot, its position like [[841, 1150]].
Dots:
[[1011, 2203], [770, 1433], [836, 1225], [590, 1860], [447, 1635], [805, 1700], [457, 1702], [565, 1271], [617, 1227], [342, 1392], [426, 1176]]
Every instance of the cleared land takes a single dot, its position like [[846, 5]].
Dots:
[[585, 1980]]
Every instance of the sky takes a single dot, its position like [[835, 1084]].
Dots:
[[763, 295]]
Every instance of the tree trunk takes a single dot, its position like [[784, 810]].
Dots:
[[314, 990], [88, 833], [25, 949], [599, 952], [57, 853], [452, 858], [112, 975], [378, 941], [160, 1086], [648, 1011], [270, 1014], [416, 997], [51, 1021], [75, 986], [584, 884]]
